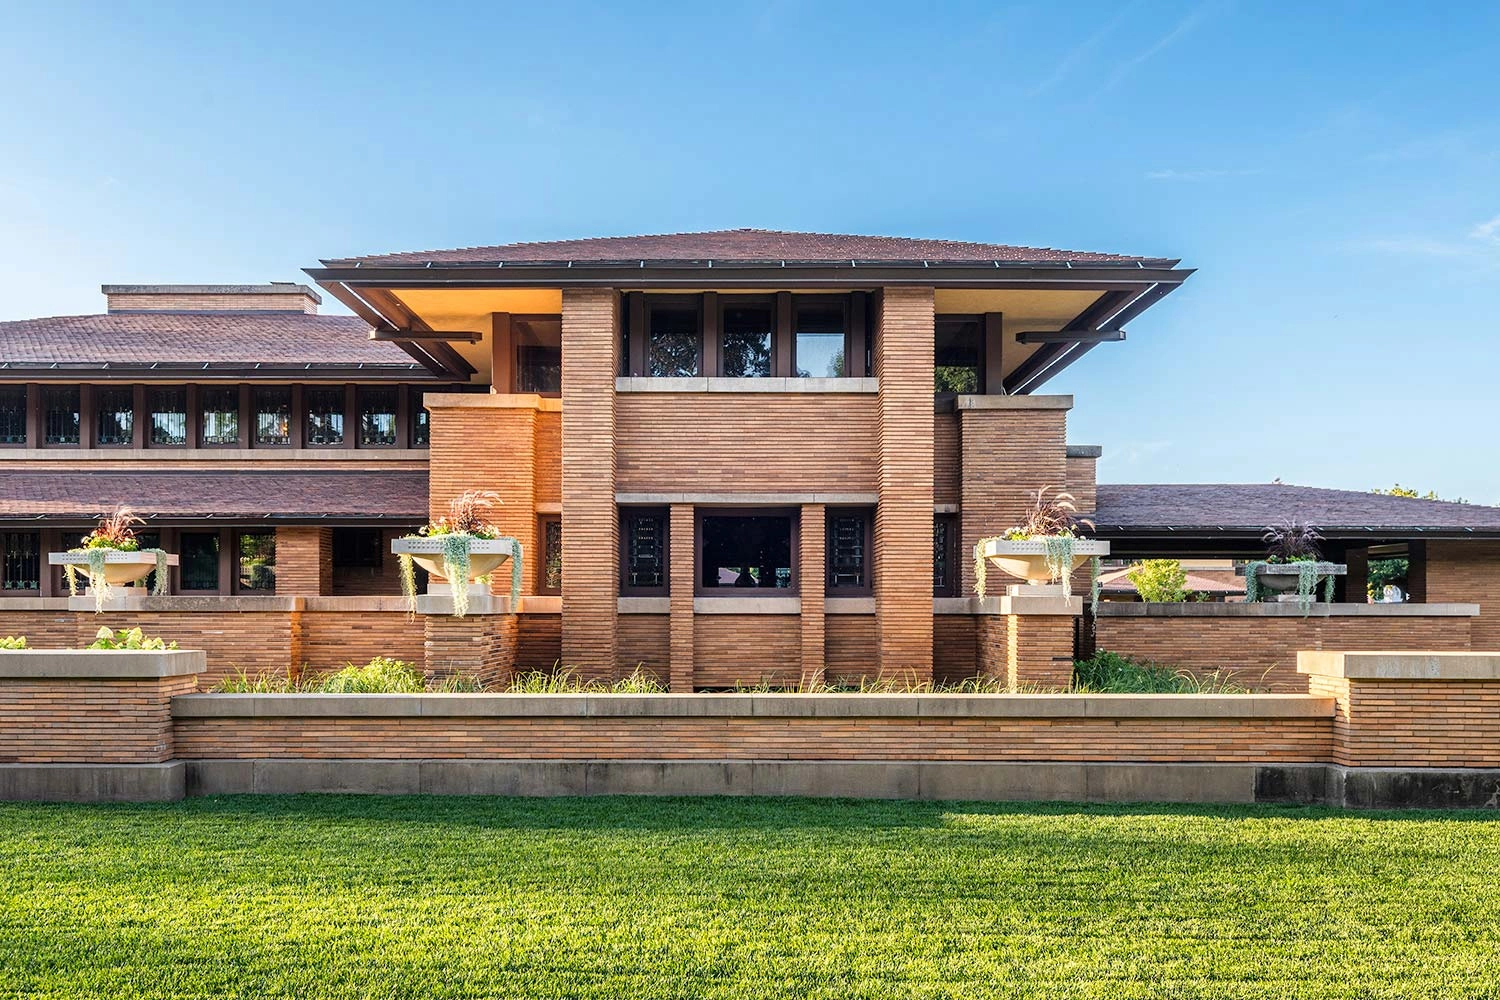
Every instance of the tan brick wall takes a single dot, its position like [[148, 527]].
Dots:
[[1039, 652], [903, 519], [252, 642], [749, 738], [811, 582], [333, 639], [752, 442], [1008, 455], [1468, 571], [68, 721], [681, 572], [853, 648], [992, 647], [548, 457], [645, 642], [954, 647], [1081, 482], [591, 344], [304, 561], [947, 460], [480, 646], [538, 642], [1413, 723], [199, 303], [1261, 653], [730, 650]]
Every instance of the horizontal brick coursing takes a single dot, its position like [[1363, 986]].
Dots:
[[851, 647], [68, 721], [947, 463], [719, 443], [1268, 740], [1261, 653], [954, 639], [538, 642], [1468, 571], [645, 642], [331, 639], [730, 650]]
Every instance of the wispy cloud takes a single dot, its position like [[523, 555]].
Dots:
[[1487, 232], [1181, 29], [1077, 56], [1482, 245], [1201, 175]]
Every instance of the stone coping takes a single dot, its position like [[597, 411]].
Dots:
[[998, 402], [848, 605], [643, 605], [865, 386], [1400, 665], [1141, 609], [747, 605], [936, 706], [99, 664]]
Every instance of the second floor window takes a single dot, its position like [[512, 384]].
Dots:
[[60, 414], [325, 415], [114, 416], [377, 417], [674, 334], [221, 417], [958, 354], [818, 347], [273, 417], [745, 341], [12, 414], [168, 416]]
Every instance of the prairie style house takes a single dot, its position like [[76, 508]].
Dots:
[[731, 457]]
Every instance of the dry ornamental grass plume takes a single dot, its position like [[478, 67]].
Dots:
[[115, 531], [1292, 541], [1052, 515], [466, 510]]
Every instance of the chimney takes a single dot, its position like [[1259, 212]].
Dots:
[[278, 296]]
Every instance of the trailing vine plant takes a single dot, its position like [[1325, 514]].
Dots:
[[114, 533], [463, 525], [1291, 543], [1053, 520]]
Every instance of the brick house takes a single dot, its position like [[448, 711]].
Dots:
[[766, 454]]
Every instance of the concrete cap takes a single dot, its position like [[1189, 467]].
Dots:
[[99, 664], [1400, 665]]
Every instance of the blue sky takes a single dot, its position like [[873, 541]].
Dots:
[[1333, 170]]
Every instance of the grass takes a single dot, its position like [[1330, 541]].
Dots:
[[687, 898]]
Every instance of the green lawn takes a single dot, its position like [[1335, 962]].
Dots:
[[372, 897]]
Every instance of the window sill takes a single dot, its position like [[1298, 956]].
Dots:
[[747, 605], [848, 605], [643, 605], [867, 386]]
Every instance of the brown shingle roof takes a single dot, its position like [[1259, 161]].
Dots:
[[745, 245], [356, 494], [1252, 506], [272, 338]]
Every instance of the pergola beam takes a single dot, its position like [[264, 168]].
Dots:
[[461, 336], [1070, 336]]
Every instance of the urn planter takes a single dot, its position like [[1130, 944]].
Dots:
[[120, 568], [485, 555], [1027, 560], [1284, 579]]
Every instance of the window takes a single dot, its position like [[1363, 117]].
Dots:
[[273, 417], [147, 540], [198, 568], [377, 416], [221, 417], [255, 559], [168, 410], [20, 560], [958, 354], [114, 416], [739, 551], [643, 551], [60, 414], [12, 414], [944, 563], [538, 354], [849, 544], [748, 326], [552, 556], [325, 415], [818, 345], [673, 337], [358, 548], [421, 427]]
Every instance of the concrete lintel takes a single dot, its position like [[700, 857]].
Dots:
[[749, 499], [358, 604], [1400, 665], [643, 605], [1140, 609], [1083, 451], [747, 605], [100, 664], [92, 782], [848, 605], [1014, 403], [637, 383]]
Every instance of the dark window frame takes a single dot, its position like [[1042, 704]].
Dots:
[[96, 413], [676, 303], [237, 540], [544, 552], [981, 353], [148, 427], [728, 302], [6, 558], [49, 391], [625, 514], [345, 425], [955, 571], [361, 392], [867, 514], [221, 560], [202, 424], [519, 352], [252, 432], [794, 514], [25, 414], [417, 412], [843, 304]]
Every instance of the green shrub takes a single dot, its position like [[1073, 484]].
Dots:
[[1159, 580], [382, 675], [1111, 673], [128, 638], [565, 681], [12, 642]]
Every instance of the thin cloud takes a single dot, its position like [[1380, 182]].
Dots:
[[1201, 175], [1487, 232], [1076, 57], [1183, 27]]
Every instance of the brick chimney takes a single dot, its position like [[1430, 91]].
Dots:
[[278, 296]]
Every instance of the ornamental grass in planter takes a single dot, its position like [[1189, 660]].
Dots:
[[1047, 546], [1294, 561], [459, 548], [112, 555]]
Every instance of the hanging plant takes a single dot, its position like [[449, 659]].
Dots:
[[457, 534], [1053, 520], [114, 533]]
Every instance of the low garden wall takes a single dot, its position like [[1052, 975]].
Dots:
[[1258, 643]]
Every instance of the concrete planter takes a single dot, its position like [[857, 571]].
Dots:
[[120, 568], [1027, 560], [1281, 579], [485, 555]]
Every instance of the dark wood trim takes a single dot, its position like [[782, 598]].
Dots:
[[1070, 337], [142, 417], [854, 354], [781, 345], [456, 336], [665, 513], [194, 430], [34, 424], [403, 416], [829, 590], [797, 302], [86, 416], [1101, 310], [351, 416], [992, 353], [502, 353], [226, 560], [636, 333], [653, 302], [794, 513], [239, 431], [708, 350], [296, 426], [246, 413], [399, 317]]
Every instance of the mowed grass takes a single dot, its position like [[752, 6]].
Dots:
[[405, 897]]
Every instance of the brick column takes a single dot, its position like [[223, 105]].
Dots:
[[1354, 588], [1465, 571], [810, 574], [1011, 447], [903, 519], [478, 646], [680, 578], [304, 561], [591, 360], [1028, 641]]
